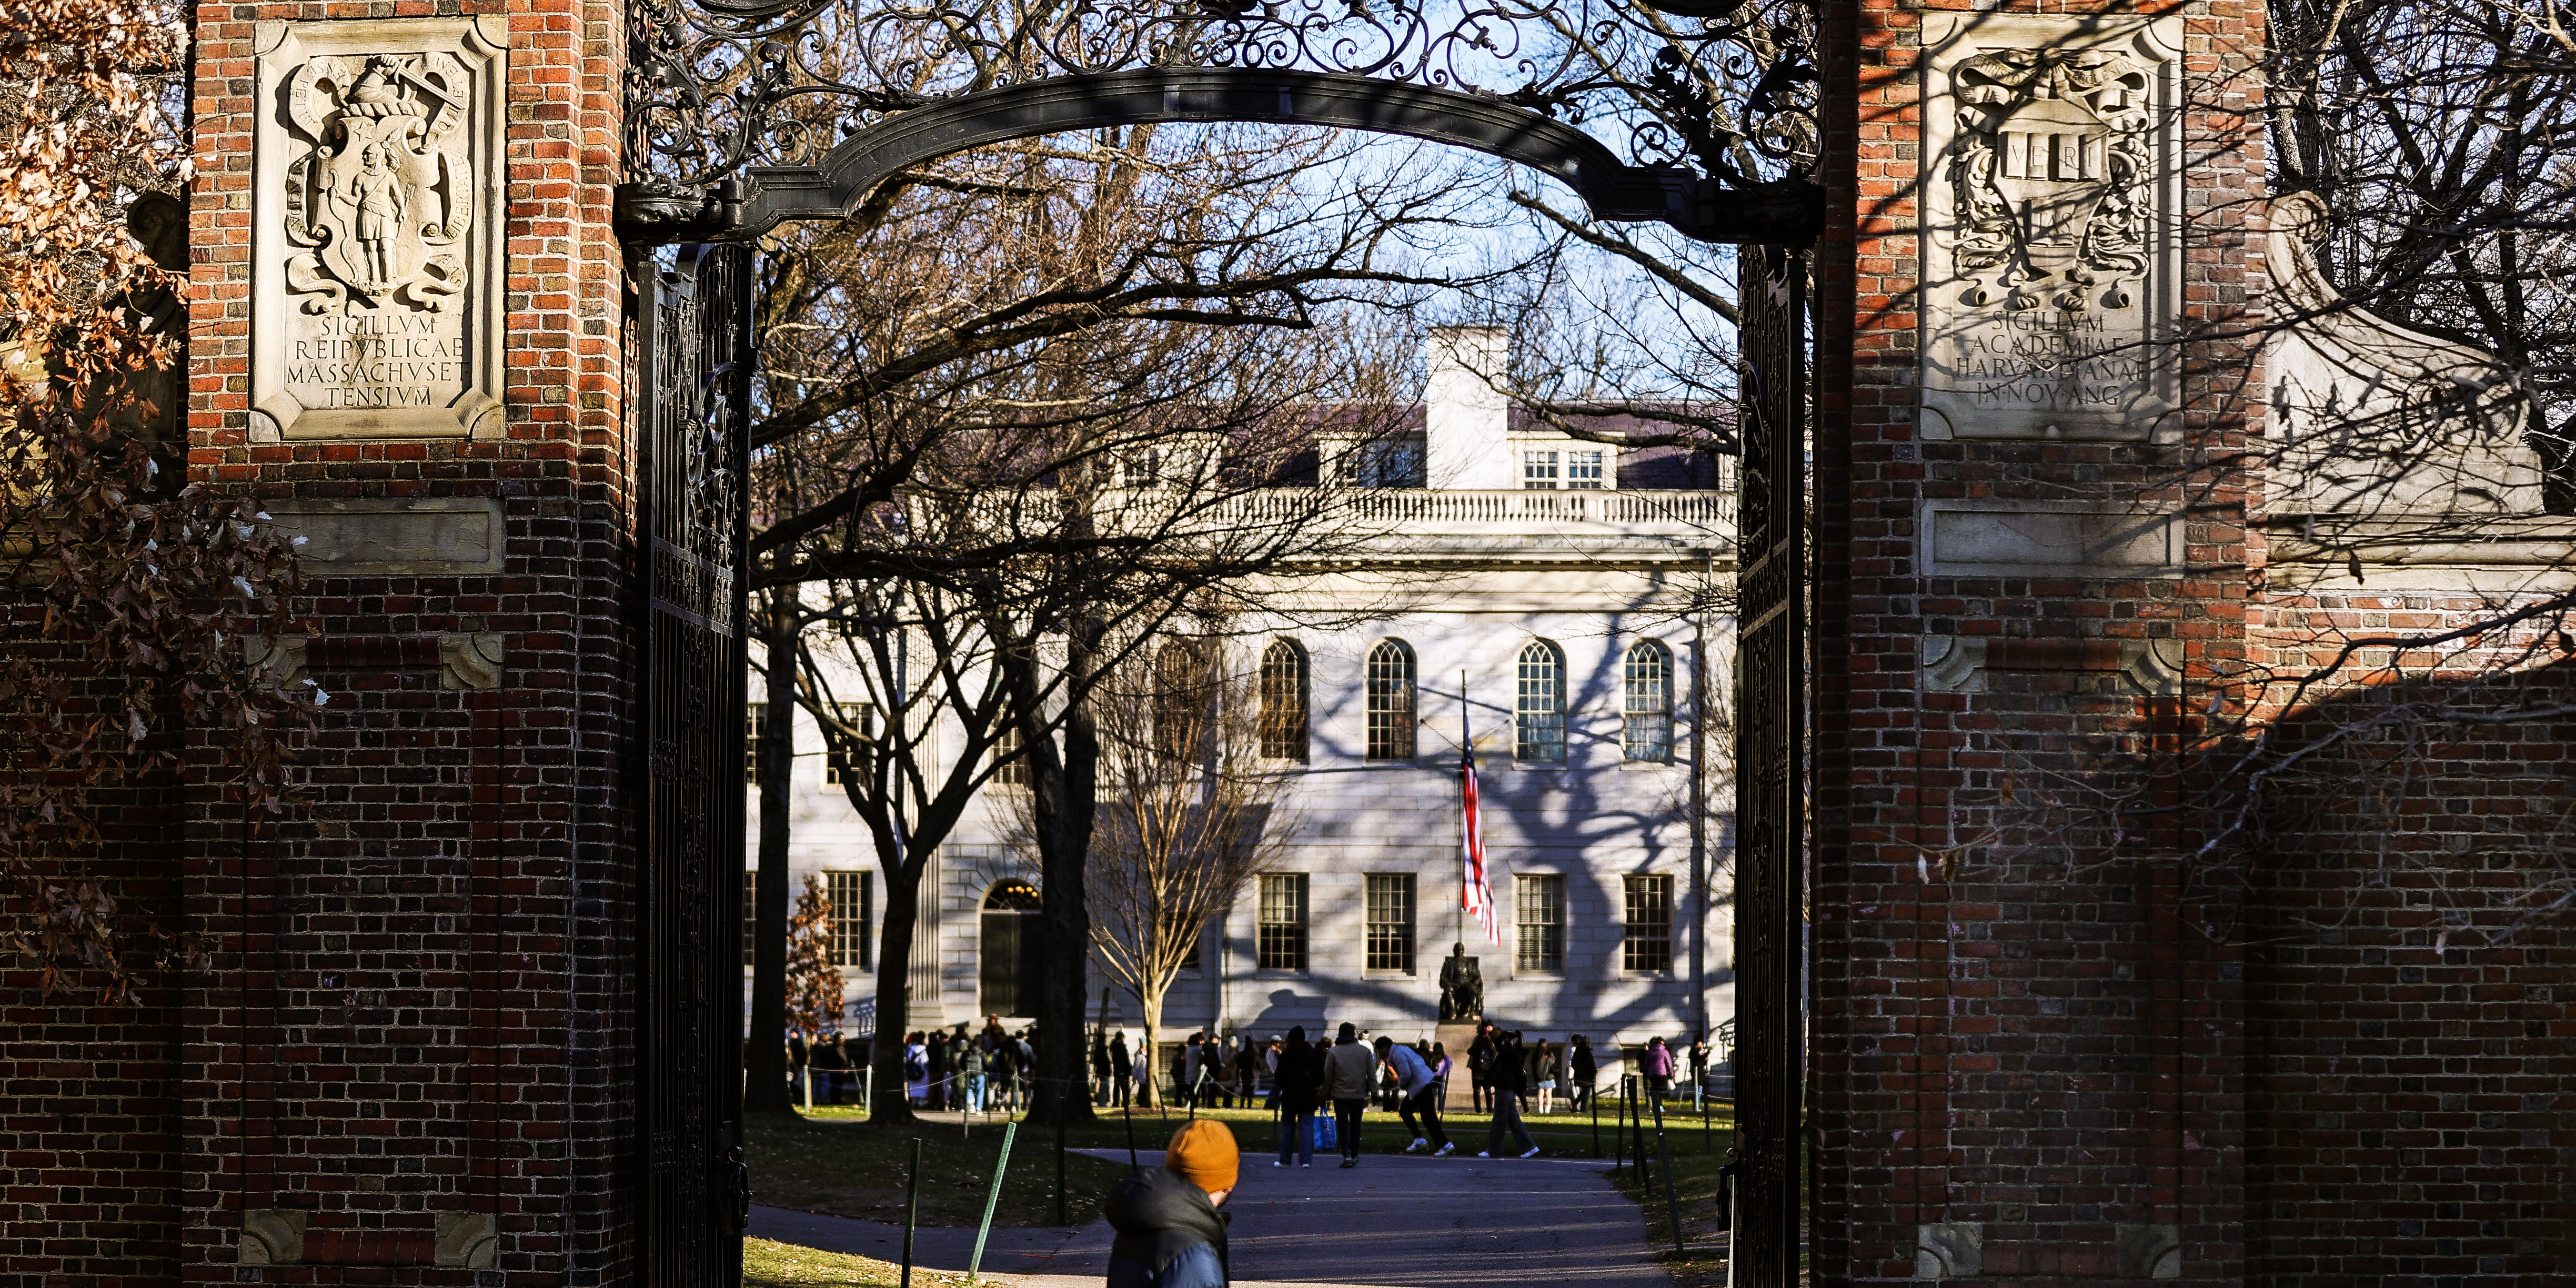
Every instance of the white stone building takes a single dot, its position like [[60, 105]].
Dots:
[[1555, 577]]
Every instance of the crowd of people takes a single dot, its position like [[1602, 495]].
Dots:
[[1509, 1074]]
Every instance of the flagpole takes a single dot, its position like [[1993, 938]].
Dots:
[[1466, 748]]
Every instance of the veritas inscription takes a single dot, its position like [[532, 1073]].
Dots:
[[2048, 284]]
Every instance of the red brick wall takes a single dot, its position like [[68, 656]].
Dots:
[[89, 1118], [419, 1003], [2047, 1049], [2412, 1060]]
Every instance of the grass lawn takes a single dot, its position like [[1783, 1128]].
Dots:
[[831, 1160], [834, 1162], [784, 1265]]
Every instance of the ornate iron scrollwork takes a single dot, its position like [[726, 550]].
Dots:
[[734, 107]]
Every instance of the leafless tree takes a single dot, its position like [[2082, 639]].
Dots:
[[1191, 810]]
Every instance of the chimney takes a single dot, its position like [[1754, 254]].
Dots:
[[1466, 421]]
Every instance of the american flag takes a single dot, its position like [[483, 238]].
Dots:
[[1479, 890]]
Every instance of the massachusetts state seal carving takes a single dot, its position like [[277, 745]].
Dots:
[[377, 204]]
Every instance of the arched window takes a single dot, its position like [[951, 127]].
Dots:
[[1541, 734], [1011, 971], [1648, 731], [1390, 701], [1283, 702]]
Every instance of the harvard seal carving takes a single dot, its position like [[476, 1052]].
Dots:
[[378, 202]]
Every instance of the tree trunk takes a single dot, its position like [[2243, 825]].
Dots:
[[764, 1056], [1153, 1009], [888, 1106], [1066, 795]]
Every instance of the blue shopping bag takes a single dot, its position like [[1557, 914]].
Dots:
[[1324, 1134]]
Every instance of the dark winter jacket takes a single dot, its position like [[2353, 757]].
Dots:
[[1301, 1069], [1169, 1235], [1508, 1072]]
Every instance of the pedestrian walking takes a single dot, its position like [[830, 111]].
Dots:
[[1118, 1067], [1354, 1075], [916, 1070], [1420, 1089], [1170, 1234], [1301, 1073], [1100, 1087], [1699, 1071], [1659, 1069], [1551, 1061], [1441, 1067], [1507, 1077], [1583, 1070], [1480, 1060]]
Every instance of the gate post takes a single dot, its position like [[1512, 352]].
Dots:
[[414, 1052], [2038, 215]]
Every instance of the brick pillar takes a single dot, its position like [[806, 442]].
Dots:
[[407, 336], [2027, 1035]]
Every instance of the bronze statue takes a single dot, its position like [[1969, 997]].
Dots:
[[1462, 987]]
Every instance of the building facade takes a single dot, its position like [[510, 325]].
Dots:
[[1550, 600]]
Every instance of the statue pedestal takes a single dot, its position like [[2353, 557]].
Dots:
[[1455, 1039]]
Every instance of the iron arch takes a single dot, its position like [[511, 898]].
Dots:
[[1783, 212]]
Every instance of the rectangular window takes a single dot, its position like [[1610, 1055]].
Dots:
[[1013, 772], [853, 896], [750, 913], [1283, 921], [1648, 943], [1538, 906], [1583, 470], [1390, 921], [755, 722], [859, 718], [1538, 471]]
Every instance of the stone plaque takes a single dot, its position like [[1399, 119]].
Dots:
[[2048, 539], [377, 207], [2051, 226], [371, 537]]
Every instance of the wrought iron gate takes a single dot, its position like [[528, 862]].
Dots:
[[1770, 860], [695, 361]]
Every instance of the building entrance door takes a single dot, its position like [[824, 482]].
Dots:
[[1011, 967]]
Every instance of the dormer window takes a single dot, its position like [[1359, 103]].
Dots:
[[1583, 469], [1538, 470]]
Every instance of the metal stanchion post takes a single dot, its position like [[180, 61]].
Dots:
[[1060, 1116], [1672, 1205], [1130, 1116], [992, 1200], [911, 1210]]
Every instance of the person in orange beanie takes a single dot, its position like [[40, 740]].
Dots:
[[1170, 1233]]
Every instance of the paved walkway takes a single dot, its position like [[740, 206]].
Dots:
[[1391, 1222]]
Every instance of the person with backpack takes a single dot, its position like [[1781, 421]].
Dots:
[[1301, 1068], [1170, 1233], [1508, 1074], [973, 1081], [1353, 1070]]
